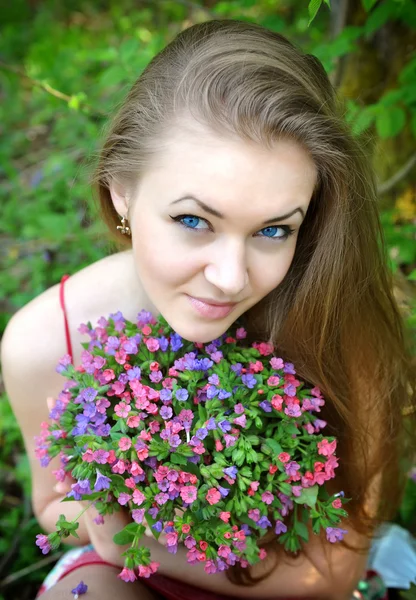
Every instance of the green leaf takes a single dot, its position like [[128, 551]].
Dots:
[[368, 4], [177, 459], [302, 530], [390, 122], [308, 496], [313, 7], [274, 446]]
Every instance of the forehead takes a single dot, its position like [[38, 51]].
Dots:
[[198, 161]]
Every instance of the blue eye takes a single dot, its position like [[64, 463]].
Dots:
[[191, 222]]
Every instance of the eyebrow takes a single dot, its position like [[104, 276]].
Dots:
[[216, 213]]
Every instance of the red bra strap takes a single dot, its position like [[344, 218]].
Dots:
[[62, 301]]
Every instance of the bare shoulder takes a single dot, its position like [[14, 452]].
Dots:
[[34, 341], [37, 330]]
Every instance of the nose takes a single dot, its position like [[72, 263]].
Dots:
[[227, 270]]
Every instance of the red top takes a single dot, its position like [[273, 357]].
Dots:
[[62, 301]]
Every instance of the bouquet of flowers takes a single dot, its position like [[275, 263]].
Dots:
[[211, 444]]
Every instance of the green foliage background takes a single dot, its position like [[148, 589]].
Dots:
[[64, 68]]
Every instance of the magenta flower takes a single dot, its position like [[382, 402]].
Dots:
[[213, 496], [127, 575], [267, 497], [280, 527], [335, 534], [43, 542], [189, 494]]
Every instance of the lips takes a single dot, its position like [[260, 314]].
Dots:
[[211, 311]]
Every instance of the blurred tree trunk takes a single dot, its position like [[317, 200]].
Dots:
[[367, 74]]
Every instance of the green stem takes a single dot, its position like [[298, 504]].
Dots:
[[82, 512]]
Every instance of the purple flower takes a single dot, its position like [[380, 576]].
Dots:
[[63, 363], [158, 526], [231, 472], [214, 379], [289, 368], [134, 373], [130, 346], [138, 514], [237, 368], [144, 317], [163, 343], [266, 406], [165, 395], [212, 392], [102, 482], [82, 424], [181, 394], [264, 522], [175, 342], [230, 440], [249, 380], [161, 498], [166, 412], [224, 426], [223, 394], [201, 433], [223, 491], [335, 534], [43, 542], [79, 489], [153, 512], [80, 589], [290, 390], [211, 424], [280, 527]]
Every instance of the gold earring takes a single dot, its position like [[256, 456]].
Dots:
[[124, 227]]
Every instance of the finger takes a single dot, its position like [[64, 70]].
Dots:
[[50, 401]]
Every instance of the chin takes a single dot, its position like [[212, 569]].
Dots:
[[203, 333]]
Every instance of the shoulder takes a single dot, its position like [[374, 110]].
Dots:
[[36, 333]]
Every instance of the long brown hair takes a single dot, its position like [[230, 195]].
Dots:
[[334, 315]]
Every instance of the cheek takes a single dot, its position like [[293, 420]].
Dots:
[[269, 273], [161, 260]]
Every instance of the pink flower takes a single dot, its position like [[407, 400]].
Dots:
[[267, 497], [225, 516], [152, 344], [284, 457], [327, 448], [189, 494], [276, 363], [119, 467], [297, 490], [123, 498], [241, 333], [122, 410], [135, 469], [171, 538], [108, 375], [273, 381], [124, 443], [218, 446], [254, 514], [223, 551], [88, 455], [337, 503], [127, 575], [241, 420], [138, 515], [138, 497], [277, 402], [203, 545], [210, 567], [213, 496], [133, 421], [262, 554]]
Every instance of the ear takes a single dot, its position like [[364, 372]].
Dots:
[[120, 197]]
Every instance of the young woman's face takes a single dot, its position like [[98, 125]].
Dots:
[[183, 251]]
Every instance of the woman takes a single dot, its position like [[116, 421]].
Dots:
[[231, 176]]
